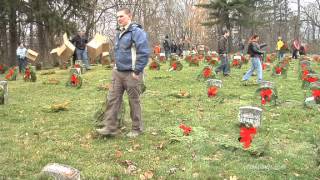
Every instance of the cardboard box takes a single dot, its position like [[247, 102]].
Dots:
[[65, 51], [105, 58], [96, 46], [32, 55]]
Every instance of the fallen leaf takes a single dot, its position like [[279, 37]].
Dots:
[[154, 133], [146, 175], [136, 146], [161, 145], [118, 154], [195, 175]]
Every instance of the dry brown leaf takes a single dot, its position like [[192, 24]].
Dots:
[[195, 175], [136, 146], [154, 133], [146, 175], [161, 145], [118, 154]]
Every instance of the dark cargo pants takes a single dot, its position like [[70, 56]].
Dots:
[[123, 81]]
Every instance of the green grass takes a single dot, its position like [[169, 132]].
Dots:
[[285, 146]]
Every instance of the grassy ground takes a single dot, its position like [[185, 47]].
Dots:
[[285, 146]]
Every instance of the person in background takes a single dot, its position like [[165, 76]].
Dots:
[[241, 46], [167, 47], [223, 53], [295, 49], [131, 56], [80, 41], [174, 47], [279, 48], [255, 54], [21, 53]]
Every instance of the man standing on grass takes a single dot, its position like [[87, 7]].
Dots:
[[223, 54], [131, 56]]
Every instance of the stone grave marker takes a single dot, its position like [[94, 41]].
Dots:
[[3, 92], [250, 116]]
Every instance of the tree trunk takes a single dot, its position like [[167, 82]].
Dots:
[[12, 32]]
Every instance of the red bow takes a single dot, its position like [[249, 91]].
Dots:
[[77, 66], [305, 75], [174, 66], [212, 91], [206, 72], [264, 66], [278, 70], [245, 136], [316, 93], [74, 80], [154, 65], [312, 79], [9, 75], [265, 95], [235, 62], [27, 74], [186, 129]]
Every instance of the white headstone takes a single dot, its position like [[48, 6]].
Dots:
[[250, 115], [61, 172], [214, 82]]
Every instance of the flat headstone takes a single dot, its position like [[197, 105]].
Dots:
[[75, 70], [310, 102], [61, 172], [266, 84], [250, 115], [305, 62], [237, 57], [4, 91], [214, 82]]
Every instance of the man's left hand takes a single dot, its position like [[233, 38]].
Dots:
[[136, 77]]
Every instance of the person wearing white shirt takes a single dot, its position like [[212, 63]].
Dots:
[[21, 56]]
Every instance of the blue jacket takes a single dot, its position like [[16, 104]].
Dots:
[[134, 38]]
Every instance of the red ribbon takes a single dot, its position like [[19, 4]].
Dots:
[[186, 129], [265, 95], [10, 74], [305, 75], [154, 65], [76, 66], [312, 79], [235, 62], [264, 66], [246, 136], [74, 80], [212, 91], [27, 74], [174, 66], [316, 93], [206, 72], [278, 70]]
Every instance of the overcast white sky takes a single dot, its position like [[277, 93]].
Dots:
[[293, 3]]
